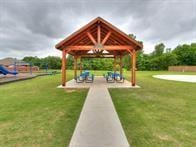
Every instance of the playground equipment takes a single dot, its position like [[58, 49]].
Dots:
[[5, 71], [40, 65]]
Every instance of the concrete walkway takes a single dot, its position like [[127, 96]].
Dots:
[[98, 125]]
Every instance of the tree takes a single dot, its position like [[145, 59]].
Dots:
[[159, 49], [32, 60], [132, 36], [52, 62], [168, 50], [97, 64], [186, 54], [70, 62], [142, 61], [162, 62], [126, 62]]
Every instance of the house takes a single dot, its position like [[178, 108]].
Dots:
[[19, 65]]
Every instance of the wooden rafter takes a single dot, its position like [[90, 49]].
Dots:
[[112, 38], [91, 37], [106, 37]]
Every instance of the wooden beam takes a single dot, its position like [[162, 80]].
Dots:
[[91, 37], [116, 47], [86, 54], [106, 37], [63, 68], [99, 34], [97, 56], [106, 47], [133, 77]]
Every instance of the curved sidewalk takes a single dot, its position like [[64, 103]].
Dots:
[[98, 125]]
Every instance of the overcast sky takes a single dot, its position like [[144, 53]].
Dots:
[[33, 27]]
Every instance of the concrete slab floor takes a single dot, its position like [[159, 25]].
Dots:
[[100, 81]]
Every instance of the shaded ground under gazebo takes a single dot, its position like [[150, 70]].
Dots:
[[99, 39]]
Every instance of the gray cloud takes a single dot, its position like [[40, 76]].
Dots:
[[33, 27]]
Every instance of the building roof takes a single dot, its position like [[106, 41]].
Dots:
[[88, 35], [10, 61]]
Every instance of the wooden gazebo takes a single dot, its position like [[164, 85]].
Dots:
[[98, 39]]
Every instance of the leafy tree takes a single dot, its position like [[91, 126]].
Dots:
[[132, 36], [162, 62], [186, 54], [140, 61], [70, 62], [53, 62], [168, 50], [159, 49], [97, 63], [32, 60], [126, 62]]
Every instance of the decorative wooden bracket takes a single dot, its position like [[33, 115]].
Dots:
[[131, 52]]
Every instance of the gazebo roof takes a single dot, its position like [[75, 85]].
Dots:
[[99, 38]]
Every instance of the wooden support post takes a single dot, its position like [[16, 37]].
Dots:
[[114, 65], [121, 65], [63, 68], [133, 59], [75, 65], [80, 65]]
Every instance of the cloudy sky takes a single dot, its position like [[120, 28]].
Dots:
[[33, 27]]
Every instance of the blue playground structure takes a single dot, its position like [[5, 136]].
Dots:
[[5, 71]]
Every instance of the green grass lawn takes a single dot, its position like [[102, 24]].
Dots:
[[160, 113], [35, 113]]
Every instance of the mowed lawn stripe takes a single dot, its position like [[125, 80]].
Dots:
[[36, 113], [160, 113]]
